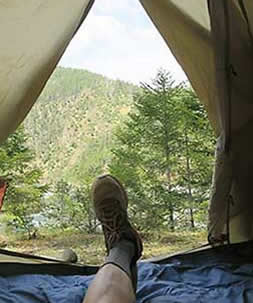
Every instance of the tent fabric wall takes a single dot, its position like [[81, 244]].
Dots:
[[233, 175], [34, 35]]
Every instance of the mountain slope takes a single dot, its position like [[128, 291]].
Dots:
[[70, 127]]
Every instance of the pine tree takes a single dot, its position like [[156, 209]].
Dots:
[[24, 193], [145, 156], [164, 155]]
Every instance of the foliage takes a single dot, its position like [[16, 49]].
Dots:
[[195, 152], [155, 138], [164, 154], [24, 191], [70, 126], [70, 129], [70, 206]]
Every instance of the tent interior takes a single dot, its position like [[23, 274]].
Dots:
[[212, 41]]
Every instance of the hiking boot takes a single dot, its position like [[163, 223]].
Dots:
[[110, 205]]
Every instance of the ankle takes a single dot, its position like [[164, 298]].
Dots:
[[122, 255]]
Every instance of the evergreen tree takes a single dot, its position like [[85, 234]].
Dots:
[[195, 153], [24, 190], [164, 154], [145, 156]]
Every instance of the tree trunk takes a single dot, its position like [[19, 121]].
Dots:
[[90, 222], [171, 217], [171, 222], [189, 178], [192, 218]]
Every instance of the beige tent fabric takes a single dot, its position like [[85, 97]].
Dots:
[[217, 55], [234, 62], [248, 4], [8, 258], [34, 35], [12, 259]]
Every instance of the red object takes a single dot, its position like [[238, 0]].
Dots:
[[3, 187]]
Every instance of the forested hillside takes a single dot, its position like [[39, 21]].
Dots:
[[155, 138], [70, 126]]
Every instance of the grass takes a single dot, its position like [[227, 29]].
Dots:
[[90, 247]]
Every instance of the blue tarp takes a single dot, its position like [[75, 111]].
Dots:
[[179, 280]]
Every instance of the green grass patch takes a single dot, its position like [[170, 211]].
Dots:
[[90, 247]]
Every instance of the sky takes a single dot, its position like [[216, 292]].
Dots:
[[119, 41]]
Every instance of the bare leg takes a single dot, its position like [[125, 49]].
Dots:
[[111, 285], [116, 281]]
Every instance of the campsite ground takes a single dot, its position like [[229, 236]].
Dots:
[[90, 247]]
